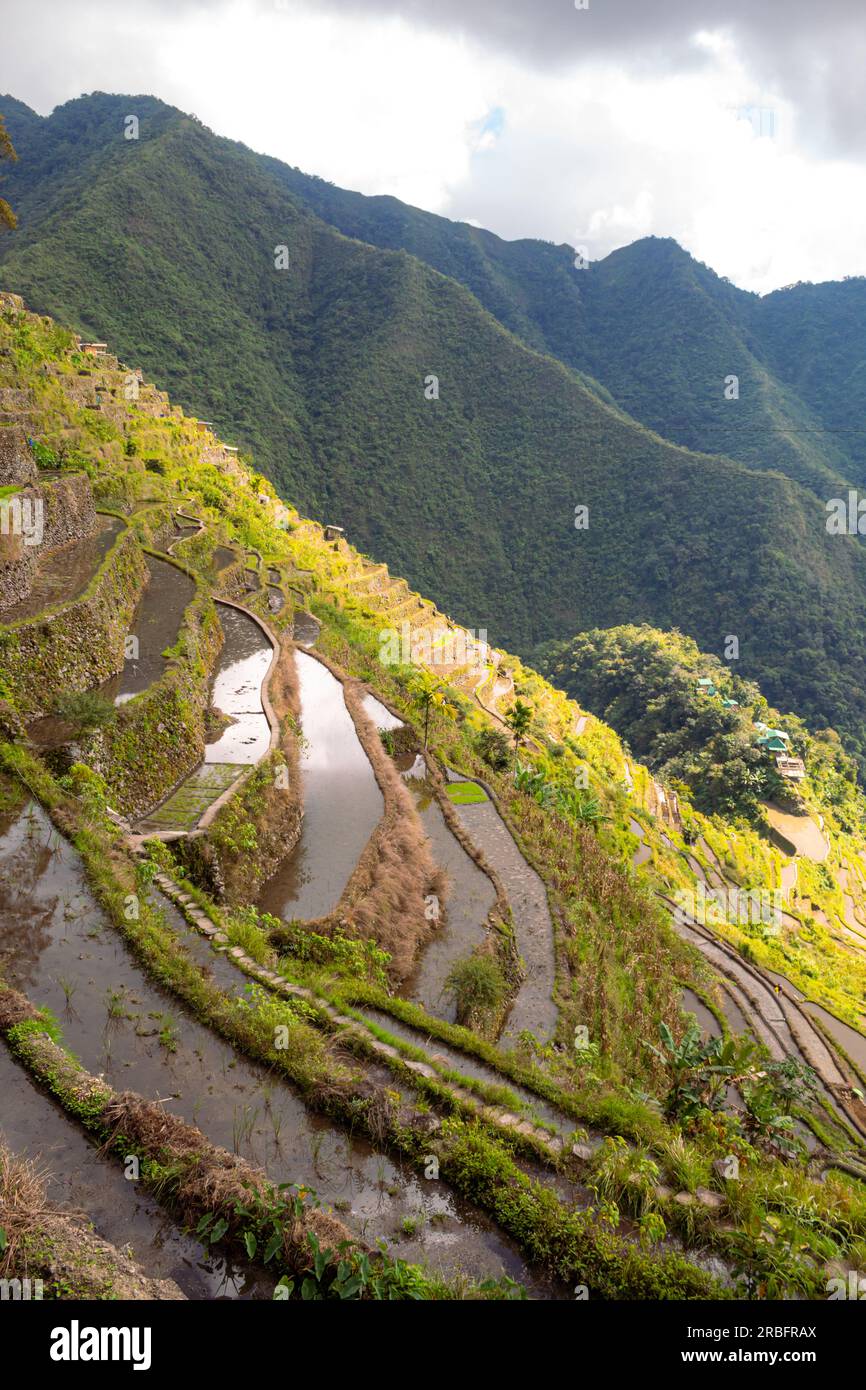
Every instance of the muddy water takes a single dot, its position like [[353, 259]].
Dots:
[[232, 981], [64, 574], [715, 875], [306, 628], [801, 831], [693, 1004], [155, 627], [735, 1017], [470, 897], [850, 1040], [237, 690], [223, 557], [342, 802], [80, 1179], [696, 867], [533, 1008], [732, 993], [380, 714], [56, 945], [643, 851], [788, 875]]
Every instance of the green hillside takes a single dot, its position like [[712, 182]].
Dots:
[[660, 332], [165, 245], [644, 684], [629, 1082]]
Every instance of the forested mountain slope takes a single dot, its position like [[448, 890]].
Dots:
[[660, 331], [166, 246]]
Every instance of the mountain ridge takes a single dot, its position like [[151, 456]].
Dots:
[[166, 246]]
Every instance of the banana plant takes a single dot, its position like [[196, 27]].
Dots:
[[701, 1070]]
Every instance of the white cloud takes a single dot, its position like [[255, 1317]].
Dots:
[[596, 151], [604, 158], [362, 105]]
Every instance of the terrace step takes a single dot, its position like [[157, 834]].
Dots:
[[188, 802]]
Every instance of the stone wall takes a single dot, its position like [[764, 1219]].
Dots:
[[231, 582], [17, 464], [69, 510], [78, 646], [14, 400], [17, 563], [168, 720], [68, 515]]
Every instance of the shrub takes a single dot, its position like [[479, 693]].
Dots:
[[494, 747], [85, 711], [88, 786], [476, 984]]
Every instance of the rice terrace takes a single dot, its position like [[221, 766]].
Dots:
[[432, 690]]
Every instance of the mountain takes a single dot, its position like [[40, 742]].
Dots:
[[660, 331], [608, 969], [166, 245]]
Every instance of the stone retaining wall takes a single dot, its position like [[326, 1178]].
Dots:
[[69, 511], [68, 515], [17, 563], [80, 645], [17, 464], [168, 720], [13, 398]]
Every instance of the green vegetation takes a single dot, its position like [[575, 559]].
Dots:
[[493, 746], [566, 1242], [477, 987], [7, 151], [644, 683], [84, 711], [291, 360], [620, 968], [465, 793], [519, 719], [658, 331], [429, 695]]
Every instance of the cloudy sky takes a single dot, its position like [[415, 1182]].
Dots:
[[739, 128]]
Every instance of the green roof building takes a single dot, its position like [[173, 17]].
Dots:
[[772, 743]]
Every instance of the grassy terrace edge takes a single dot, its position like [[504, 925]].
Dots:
[[569, 1246]]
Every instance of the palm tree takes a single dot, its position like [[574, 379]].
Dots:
[[518, 719], [427, 694]]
